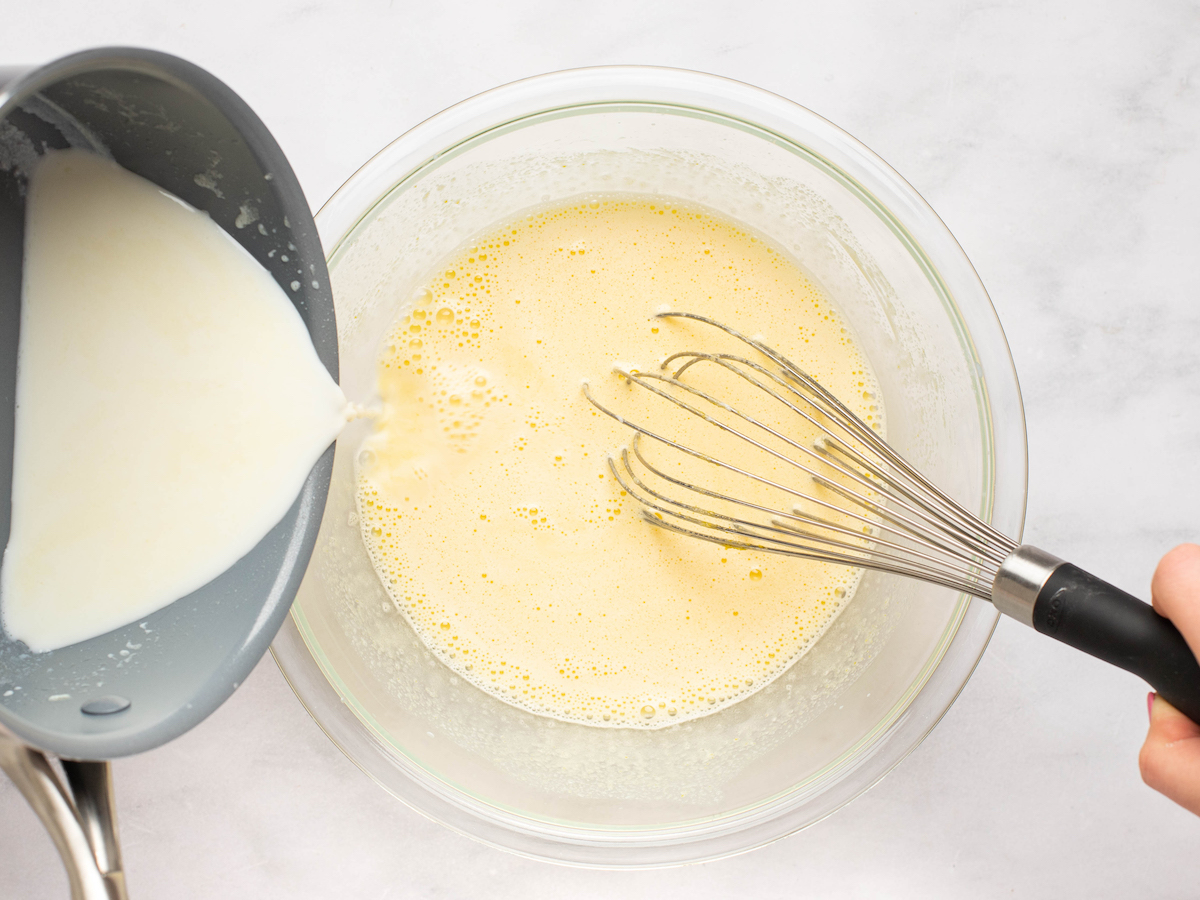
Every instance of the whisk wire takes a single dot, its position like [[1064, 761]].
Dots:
[[908, 525], [813, 520], [962, 525], [838, 411], [953, 528], [848, 552], [935, 576], [893, 519], [860, 499], [886, 483]]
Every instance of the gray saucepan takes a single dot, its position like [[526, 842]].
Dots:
[[140, 686]]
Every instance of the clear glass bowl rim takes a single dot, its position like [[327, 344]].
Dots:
[[915, 223]]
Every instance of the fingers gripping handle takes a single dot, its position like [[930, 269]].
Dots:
[[1070, 605]]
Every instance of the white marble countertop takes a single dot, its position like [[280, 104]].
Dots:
[[1061, 144]]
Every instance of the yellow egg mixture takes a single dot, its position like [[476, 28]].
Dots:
[[485, 498]]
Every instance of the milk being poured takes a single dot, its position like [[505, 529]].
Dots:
[[170, 404]]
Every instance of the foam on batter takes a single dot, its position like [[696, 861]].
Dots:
[[485, 499]]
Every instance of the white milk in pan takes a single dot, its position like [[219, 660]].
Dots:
[[485, 499], [170, 404]]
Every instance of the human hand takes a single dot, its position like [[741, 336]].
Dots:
[[1170, 758]]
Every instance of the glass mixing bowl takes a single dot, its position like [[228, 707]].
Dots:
[[887, 669]]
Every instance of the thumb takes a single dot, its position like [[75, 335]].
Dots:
[[1170, 758]]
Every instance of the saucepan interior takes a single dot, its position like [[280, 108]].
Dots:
[[844, 713], [181, 128]]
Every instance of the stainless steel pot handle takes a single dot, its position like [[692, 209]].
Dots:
[[80, 816]]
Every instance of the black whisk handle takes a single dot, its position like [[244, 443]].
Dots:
[[1091, 615]]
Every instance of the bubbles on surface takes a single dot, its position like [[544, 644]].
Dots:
[[422, 296], [462, 535]]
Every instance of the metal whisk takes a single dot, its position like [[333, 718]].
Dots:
[[849, 498]]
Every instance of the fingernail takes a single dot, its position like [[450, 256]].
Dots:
[[1150, 704]]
